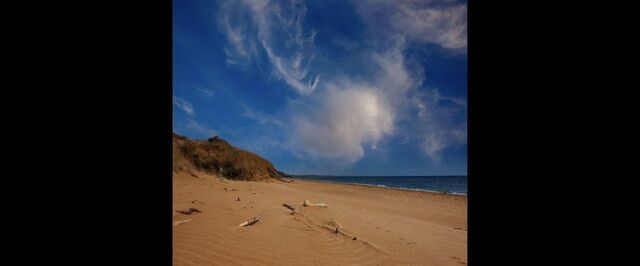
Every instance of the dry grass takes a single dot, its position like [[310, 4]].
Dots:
[[217, 156]]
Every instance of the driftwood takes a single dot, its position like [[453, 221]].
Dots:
[[252, 221], [339, 231], [308, 203], [289, 206], [337, 228], [181, 222], [335, 224], [189, 211]]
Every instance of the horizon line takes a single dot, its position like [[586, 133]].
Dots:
[[377, 175]]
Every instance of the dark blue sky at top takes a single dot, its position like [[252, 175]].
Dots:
[[237, 102]]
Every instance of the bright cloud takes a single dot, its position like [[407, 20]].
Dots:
[[346, 117]]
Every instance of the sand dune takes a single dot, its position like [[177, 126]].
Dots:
[[392, 227]]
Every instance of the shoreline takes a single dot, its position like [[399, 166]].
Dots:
[[382, 186]]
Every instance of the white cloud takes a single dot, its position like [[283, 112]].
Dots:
[[446, 27], [393, 75], [353, 113], [278, 28], [443, 23], [238, 49], [356, 111], [344, 119], [291, 71], [439, 126], [187, 107]]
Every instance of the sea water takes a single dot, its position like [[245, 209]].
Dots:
[[442, 184]]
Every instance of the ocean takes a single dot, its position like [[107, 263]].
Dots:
[[441, 184]]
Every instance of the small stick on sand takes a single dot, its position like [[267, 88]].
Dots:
[[189, 211], [304, 223], [252, 221], [290, 207], [181, 222]]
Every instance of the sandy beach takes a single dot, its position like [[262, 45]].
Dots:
[[391, 227]]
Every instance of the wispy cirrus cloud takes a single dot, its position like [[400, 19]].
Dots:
[[200, 129], [262, 118], [443, 23], [184, 105], [207, 92], [274, 28], [441, 121]]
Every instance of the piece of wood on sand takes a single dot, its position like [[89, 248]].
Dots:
[[308, 203], [252, 221], [290, 207], [189, 211], [181, 222], [337, 228]]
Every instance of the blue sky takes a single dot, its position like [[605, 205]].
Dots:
[[326, 87]]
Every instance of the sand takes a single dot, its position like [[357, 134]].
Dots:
[[392, 227]]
